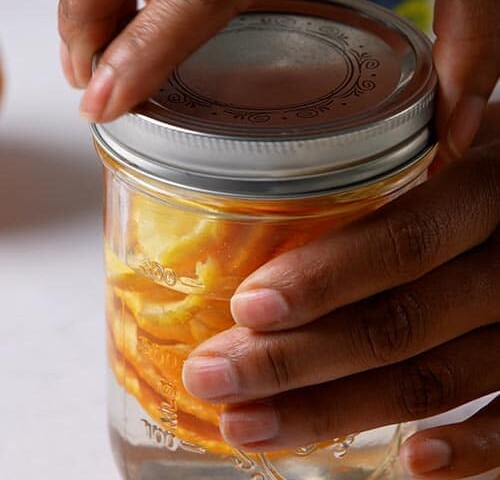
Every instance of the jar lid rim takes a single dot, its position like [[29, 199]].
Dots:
[[362, 81], [322, 183]]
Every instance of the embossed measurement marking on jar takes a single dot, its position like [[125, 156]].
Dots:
[[168, 440], [168, 406], [153, 352], [160, 274]]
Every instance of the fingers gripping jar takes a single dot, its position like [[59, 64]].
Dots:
[[299, 117]]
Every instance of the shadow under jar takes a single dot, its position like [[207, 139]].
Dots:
[[297, 118]]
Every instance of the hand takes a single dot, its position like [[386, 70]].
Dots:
[[467, 59], [392, 319], [142, 49]]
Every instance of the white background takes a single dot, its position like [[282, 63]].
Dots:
[[52, 382]]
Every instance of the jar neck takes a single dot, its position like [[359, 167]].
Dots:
[[376, 191]]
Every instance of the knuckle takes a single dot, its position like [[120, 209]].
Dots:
[[317, 285], [138, 37], [136, 40], [396, 332], [315, 277], [276, 362], [414, 240], [309, 279], [425, 388]]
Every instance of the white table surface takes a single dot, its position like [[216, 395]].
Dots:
[[52, 382]]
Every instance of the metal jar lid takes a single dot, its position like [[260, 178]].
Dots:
[[292, 98]]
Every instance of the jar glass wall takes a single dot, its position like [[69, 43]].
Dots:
[[173, 258]]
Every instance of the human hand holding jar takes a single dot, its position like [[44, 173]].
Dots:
[[381, 320], [393, 318]]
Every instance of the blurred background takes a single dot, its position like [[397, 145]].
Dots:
[[52, 376], [52, 381]]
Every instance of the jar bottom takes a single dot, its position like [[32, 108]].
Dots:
[[144, 450]]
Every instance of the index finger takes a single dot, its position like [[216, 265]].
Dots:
[[85, 28], [401, 242], [467, 59], [143, 55]]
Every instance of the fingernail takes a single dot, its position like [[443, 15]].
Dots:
[[256, 308], [209, 377], [97, 95], [427, 456], [464, 124], [250, 425]]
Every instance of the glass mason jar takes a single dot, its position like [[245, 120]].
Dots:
[[299, 117]]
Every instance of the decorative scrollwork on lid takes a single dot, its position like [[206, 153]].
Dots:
[[261, 22], [362, 86], [307, 113], [313, 111], [365, 60], [335, 33], [259, 117], [280, 21], [359, 70], [183, 98], [251, 116], [371, 63], [177, 97]]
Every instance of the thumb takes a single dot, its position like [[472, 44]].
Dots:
[[467, 58]]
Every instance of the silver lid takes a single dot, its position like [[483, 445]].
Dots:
[[293, 98]]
